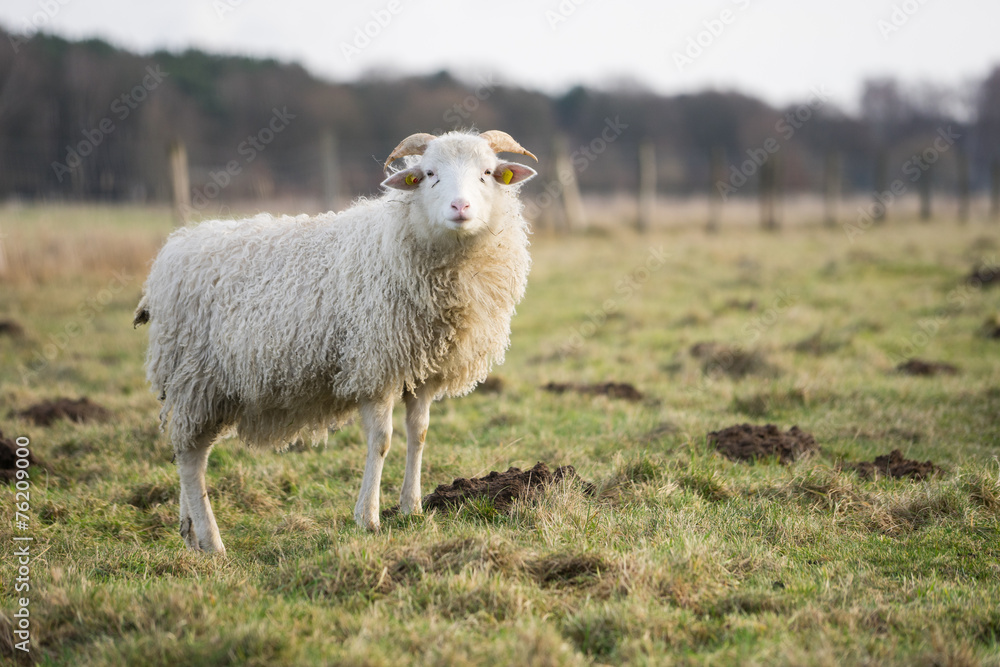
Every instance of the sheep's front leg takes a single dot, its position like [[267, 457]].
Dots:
[[418, 414], [198, 526], [376, 418]]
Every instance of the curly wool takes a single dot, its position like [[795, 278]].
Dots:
[[280, 324]]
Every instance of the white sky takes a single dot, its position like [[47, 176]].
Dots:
[[775, 49]]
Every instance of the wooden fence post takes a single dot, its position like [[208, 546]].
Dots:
[[331, 170], [180, 182], [768, 176], [962, 176], [881, 210], [995, 188], [716, 176], [924, 189], [647, 185], [831, 188], [576, 218]]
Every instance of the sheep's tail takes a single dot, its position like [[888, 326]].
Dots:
[[141, 313]]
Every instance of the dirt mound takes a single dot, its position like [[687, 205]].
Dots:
[[991, 327], [491, 385], [502, 488], [8, 459], [926, 368], [892, 465], [739, 304], [747, 442], [568, 569], [732, 360], [11, 328], [621, 390], [79, 411], [983, 276], [820, 343]]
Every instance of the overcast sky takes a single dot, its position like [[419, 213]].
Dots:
[[776, 49]]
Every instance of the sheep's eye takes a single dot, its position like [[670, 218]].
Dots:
[[430, 173], [488, 172]]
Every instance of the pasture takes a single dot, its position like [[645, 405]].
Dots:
[[681, 556]]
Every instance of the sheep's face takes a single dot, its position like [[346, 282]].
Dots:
[[457, 181]]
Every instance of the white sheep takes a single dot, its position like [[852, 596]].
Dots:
[[276, 325]]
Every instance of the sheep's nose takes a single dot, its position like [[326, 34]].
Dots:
[[460, 206]]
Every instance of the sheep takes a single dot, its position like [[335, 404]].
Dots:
[[277, 325]]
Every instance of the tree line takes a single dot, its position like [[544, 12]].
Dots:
[[83, 120]]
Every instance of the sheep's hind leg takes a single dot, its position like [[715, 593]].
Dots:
[[418, 411], [376, 418], [198, 526]]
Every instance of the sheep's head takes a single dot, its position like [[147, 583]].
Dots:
[[459, 176]]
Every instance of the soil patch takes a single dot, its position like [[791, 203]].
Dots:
[[11, 328], [734, 361], [501, 488], [746, 442], [568, 569], [621, 390], [8, 459], [491, 385], [991, 327], [819, 343], [738, 304], [892, 465], [79, 411], [926, 368], [984, 276]]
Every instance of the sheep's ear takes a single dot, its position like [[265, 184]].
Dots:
[[509, 173], [408, 179]]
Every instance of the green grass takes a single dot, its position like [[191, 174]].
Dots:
[[684, 558]]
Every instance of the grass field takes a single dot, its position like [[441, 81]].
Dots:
[[684, 557]]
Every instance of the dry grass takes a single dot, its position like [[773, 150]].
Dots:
[[682, 556]]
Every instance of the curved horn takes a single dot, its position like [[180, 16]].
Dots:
[[501, 142], [415, 144]]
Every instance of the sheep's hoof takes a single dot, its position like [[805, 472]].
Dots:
[[413, 508], [371, 525], [210, 550]]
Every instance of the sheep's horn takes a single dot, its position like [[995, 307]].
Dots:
[[501, 142], [415, 144]]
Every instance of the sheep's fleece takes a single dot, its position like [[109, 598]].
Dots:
[[276, 324], [281, 324]]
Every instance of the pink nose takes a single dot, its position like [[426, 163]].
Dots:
[[460, 206]]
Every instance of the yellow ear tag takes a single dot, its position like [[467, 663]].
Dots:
[[507, 175], [410, 179]]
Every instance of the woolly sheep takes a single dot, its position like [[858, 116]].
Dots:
[[279, 324]]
